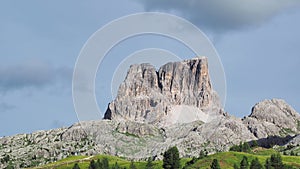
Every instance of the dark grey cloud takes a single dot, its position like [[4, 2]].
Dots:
[[32, 74], [222, 16]]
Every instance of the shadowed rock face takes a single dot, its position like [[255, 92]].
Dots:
[[147, 95]]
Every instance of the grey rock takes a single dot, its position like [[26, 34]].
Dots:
[[42, 147], [149, 96], [273, 118], [128, 139], [135, 140]]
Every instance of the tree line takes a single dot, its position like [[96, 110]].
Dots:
[[104, 164], [171, 160]]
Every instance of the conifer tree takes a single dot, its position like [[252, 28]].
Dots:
[[215, 164], [255, 164], [276, 161], [132, 166], [76, 166], [244, 163], [105, 164], [92, 165], [171, 159]]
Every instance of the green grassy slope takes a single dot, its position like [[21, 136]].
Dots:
[[226, 160]]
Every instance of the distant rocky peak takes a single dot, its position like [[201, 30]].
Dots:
[[150, 95], [269, 109], [270, 117]]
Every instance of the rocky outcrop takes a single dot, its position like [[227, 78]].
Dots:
[[41, 147], [273, 118], [152, 96], [126, 139], [135, 140]]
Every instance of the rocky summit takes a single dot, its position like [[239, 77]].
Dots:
[[154, 110], [177, 92], [272, 117]]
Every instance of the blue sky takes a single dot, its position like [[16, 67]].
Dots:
[[258, 43]]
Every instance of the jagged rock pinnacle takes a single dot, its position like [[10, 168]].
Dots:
[[177, 89]]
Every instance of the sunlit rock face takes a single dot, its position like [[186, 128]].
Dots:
[[179, 92]]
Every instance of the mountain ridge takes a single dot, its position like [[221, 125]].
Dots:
[[137, 134]]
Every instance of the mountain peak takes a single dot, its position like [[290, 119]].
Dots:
[[151, 96]]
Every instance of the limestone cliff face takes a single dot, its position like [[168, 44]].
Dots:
[[147, 95]]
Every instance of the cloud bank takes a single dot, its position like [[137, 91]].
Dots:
[[222, 16], [32, 74]]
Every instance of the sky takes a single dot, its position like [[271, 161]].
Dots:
[[257, 41]]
